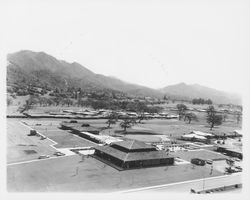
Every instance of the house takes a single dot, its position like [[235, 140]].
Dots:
[[132, 154]]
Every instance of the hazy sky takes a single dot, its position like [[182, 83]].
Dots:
[[152, 44]]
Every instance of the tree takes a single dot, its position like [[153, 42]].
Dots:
[[209, 102], [238, 117], [211, 110], [224, 117], [42, 101], [50, 101], [212, 118], [141, 109], [202, 101], [68, 101], [141, 117], [165, 98], [154, 109], [112, 119], [57, 100], [9, 101], [181, 110], [190, 117], [127, 123], [27, 105]]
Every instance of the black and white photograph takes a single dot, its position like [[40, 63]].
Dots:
[[125, 97]]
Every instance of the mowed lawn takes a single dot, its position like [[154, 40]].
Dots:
[[177, 128], [66, 139], [70, 174], [63, 138]]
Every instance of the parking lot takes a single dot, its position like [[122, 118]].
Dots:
[[199, 153], [21, 147], [70, 173]]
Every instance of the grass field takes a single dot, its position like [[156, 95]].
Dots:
[[65, 139], [169, 127]]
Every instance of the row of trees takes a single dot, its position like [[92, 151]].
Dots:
[[212, 117], [137, 106], [202, 101], [44, 101]]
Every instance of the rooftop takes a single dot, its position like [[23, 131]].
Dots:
[[133, 145], [132, 156]]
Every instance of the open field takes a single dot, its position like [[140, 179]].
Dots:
[[170, 127], [91, 175], [178, 128], [64, 139]]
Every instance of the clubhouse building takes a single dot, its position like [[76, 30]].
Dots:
[[132, 154]]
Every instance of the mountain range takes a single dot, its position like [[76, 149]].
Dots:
[[27, 66]]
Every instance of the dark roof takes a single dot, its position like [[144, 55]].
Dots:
[[141, 131], [133, 145], [71, 125], [80, 127], [228, 148], [86, 129], [134, 155]]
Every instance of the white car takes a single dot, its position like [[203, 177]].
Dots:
[[43, 156]]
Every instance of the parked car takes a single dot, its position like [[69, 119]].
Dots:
[[239, 168], [43, 137], [32, 132], [58, 153], [198, 161], [237, 159], [210, 162], [43, 156]]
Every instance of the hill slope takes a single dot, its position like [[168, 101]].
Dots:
[[40, 69], [189, 92], [45, 69]]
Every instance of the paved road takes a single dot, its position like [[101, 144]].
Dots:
[[197, 185]]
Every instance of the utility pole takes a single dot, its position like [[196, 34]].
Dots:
[[77, 170], [211, 169], [203, 185]]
